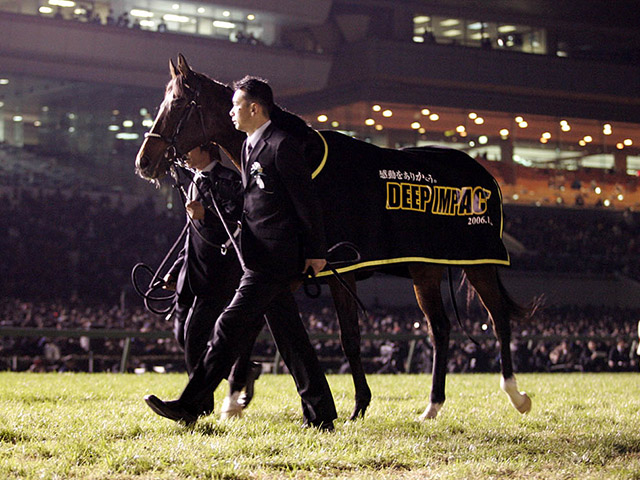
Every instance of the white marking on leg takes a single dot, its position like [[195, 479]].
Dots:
[[231, 408], [431, 411], [520, 400]]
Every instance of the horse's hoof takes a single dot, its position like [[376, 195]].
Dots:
[[430, 412], [359, 411], [525, 406]]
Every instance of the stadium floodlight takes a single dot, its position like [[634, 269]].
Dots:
[[62, 3]]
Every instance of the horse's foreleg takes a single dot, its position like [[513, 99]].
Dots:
[[347, 311], [426, 283], [500, 307]]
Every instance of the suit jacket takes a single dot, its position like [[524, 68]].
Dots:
[[200, 268], [282, 222]]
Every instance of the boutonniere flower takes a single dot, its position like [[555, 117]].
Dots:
[[256, 172]]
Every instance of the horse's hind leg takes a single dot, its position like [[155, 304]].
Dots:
[[426, 283], [501, 308], [347, 311]]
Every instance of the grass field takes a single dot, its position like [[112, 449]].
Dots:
[[96, 426]]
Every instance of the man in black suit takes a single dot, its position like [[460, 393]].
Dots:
[[282, 237], [204, 279]]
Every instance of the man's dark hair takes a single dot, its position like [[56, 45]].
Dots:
[[256, 90]]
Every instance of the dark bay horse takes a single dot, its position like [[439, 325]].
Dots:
[[195, 110]]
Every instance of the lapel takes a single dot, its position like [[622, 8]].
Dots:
[[255, 153]]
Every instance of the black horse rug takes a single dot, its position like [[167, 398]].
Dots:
[[423, 204]]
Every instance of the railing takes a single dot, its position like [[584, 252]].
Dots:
[[128, 335]]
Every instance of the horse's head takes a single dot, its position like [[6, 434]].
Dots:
[[195, 111]]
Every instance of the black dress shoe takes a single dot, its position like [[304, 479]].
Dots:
[[170, 409], [322, 426]]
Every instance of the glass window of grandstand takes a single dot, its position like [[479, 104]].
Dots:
[[476, 33]]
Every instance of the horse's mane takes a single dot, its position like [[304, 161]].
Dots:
[[290, 123]]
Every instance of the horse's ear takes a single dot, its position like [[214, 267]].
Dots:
[[183, 67], [173, 70]]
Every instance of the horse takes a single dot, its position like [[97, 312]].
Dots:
[[195, 111]]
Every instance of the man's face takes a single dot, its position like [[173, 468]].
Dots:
[[241, 112], [197, 159]]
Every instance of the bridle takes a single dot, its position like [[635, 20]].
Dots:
[[172, 153]]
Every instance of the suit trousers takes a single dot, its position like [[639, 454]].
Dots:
[[235, 332]]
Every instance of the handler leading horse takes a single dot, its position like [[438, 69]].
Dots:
[[195, 111]]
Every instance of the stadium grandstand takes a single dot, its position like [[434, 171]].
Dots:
[[543, 94]]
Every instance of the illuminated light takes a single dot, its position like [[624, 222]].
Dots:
[[369, 121], [450, 22], [619, 146], [425, 111], [335, 124], [323, 118], [563, 122], [143, 112], [175, 6], [37, 123], [226, 13], [418, 39], [565, 128], [378, 127], [251, 17], [147, 122], [223, 24], [71, 129], [507, 28], [200, 10], [546, 135], [519, 119], [17, 118], [45, 10], [415, 125], [543, 140], [137, 12], [45, 109], [376, 108], [113, 128], [463, 134], [479, 121], [607, 202], [421, 19], [504, 132], [62, 3], [484, 327], [115, 112], [620, 197], [627, 142], [434, 117], [4, 81], [516, 196], [127, 124], [472, 144], [79, 11], [523, 124], [473, 115], [127, 136], [71, 116], [483, 139], [588, 138], [475, 26], [422, 130], [147, 23], [582, 143], [460, 128], [170, 17], [416, 325], [598, 190], [452, 33], [387, 113]]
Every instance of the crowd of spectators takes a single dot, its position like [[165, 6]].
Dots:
[[79, 248]]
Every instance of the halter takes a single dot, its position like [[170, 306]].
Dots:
[[172, 152]]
